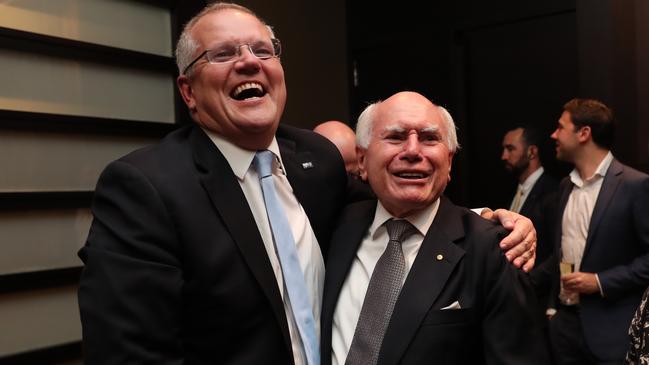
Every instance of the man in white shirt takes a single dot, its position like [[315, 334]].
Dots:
[[521, 157], [535, 198], [536, 189], [603, 240], [412, 278]]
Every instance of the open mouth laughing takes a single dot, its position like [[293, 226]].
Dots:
[[411, 175], [247, 91]]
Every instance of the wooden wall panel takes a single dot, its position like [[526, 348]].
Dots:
[[38, 319], [124, 24], [48, 84], [34, 161], [35, 240]]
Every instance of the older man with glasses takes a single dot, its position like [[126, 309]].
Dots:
[[208, 247]]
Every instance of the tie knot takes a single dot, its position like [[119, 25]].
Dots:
[[263, 163], [399, 229]]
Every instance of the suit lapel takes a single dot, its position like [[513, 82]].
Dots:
[[432, 268], [294, 163], [227, 197], [610, 184], [531, 198]]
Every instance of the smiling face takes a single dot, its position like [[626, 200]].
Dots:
[[242, 100], [566, 138], [407, 161]]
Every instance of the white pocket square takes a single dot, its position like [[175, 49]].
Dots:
[[454, 305]]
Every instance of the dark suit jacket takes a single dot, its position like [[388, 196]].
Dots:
[[494, 324], [176, 271], [617, 249], [536, 208], [540, 208]]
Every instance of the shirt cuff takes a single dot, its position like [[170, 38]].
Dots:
[[478, 211], [599, 285]]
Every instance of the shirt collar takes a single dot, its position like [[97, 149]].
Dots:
[[421, 220], [531, 180], [239, 158], [600, 172]]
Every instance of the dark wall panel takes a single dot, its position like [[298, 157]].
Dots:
[[519, 72]]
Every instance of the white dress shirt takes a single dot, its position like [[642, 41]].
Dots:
[[579, 209], [525, 188], [353, 291], [308, 250]]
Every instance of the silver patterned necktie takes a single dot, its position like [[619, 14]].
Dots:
[[382, 293]]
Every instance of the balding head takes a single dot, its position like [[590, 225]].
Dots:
[[344, 138]]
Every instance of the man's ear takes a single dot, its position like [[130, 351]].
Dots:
[[450, 164], [186, 92], [532, 152], [584, 134], [360, 157]]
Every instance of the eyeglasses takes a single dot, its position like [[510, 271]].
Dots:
[[231, 52]]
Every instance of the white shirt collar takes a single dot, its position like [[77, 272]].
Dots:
[[599, 172], [421, 220], [239, 158], [527, 185]]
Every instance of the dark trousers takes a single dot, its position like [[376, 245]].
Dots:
[[567, 338]]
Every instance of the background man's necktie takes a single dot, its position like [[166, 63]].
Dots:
[[516, 204], [382, 293], [287, 253]]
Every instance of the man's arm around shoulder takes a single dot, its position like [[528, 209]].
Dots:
[[510, 331]]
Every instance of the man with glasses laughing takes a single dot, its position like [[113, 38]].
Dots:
[[208, 247]]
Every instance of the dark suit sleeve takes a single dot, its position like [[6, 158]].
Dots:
[[130, 291], [510, 331], [619, 280], [546, 271]]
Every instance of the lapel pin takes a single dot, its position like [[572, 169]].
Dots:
[[307, 165], [440, 257]]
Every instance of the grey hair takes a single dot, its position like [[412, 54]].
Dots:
[[365, 124], [451, 130], [366, 120], [187, 45]]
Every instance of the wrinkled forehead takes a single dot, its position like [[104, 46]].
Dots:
[[229, 25], [409, 116]]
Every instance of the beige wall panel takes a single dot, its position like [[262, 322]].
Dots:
[[37, 319], [123, 24], [58, 162], [37, 83], [42, 240]]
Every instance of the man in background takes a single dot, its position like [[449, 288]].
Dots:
[[602, 240], [535, 195], [341, 135]]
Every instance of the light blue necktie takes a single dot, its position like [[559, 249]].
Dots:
[[285, 246]]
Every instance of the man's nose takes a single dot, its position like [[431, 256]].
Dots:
[[247, 60], [554, 134], [412, 146]]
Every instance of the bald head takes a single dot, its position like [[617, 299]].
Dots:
[[414, 104], [344, 138]]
